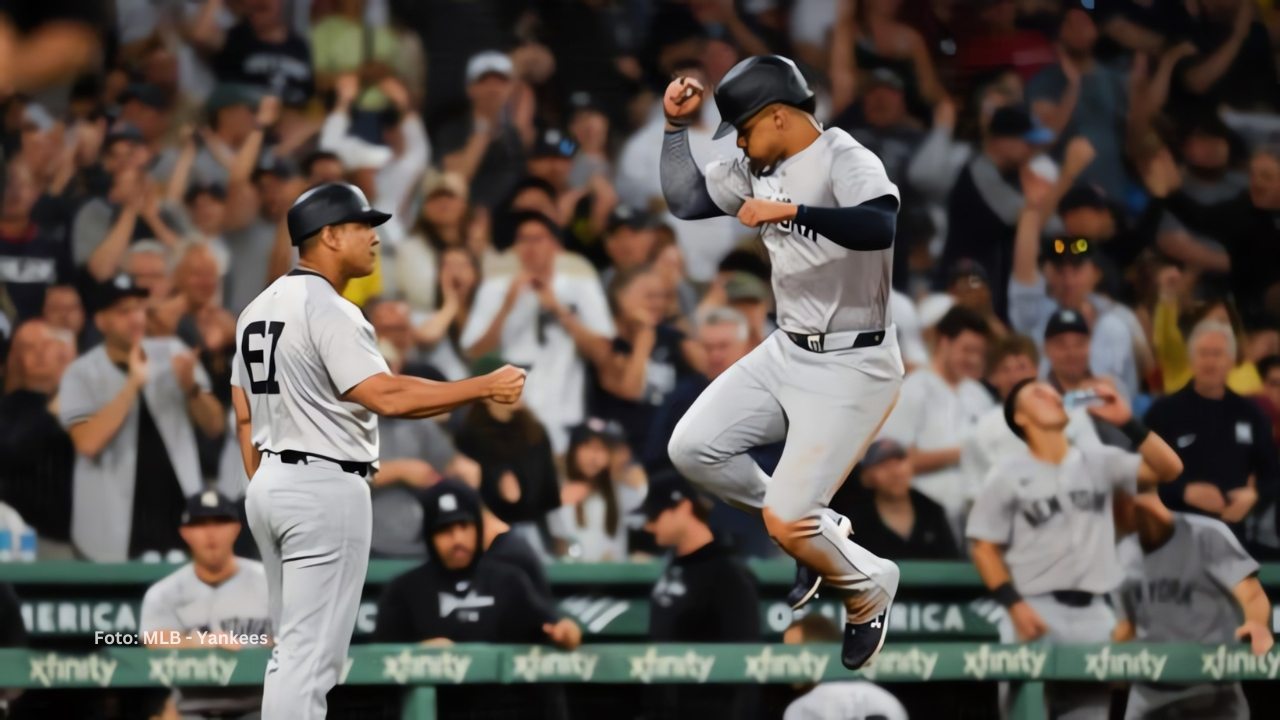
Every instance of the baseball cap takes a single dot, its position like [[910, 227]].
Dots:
[[489, 62], [1012, 121], [444, 183], [884, 77], [147, 94], [1060, 250], [610, 431], [209, 504], [447, 502], [231, 94], [1065, 321], [743, 286], [358, 154], [1083, 195], [108, 293], [967, 270], [667, 490], [553, 143], [629, 217], [882, 450]]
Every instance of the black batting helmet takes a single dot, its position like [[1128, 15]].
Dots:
[[330, 204], [756, 82]]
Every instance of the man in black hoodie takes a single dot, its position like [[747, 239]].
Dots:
[[460, 595]]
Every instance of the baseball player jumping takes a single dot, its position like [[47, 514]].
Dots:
[[307, 387], [828, 377]]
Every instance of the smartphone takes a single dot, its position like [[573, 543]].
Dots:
[[1081, 398]]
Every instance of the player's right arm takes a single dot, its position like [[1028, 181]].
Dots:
[[411, 397], [683, 184], [249, 454], [988, 557], [990, 530]]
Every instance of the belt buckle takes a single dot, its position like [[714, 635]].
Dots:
[[816, 342]]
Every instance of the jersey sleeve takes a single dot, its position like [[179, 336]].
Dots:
[[75, 401], [729, 184], [158, 611], [235, 371], [991, 517], [1225, 559], [857, 176], [1114, 468], [488, 303], [347, 346], [594, 308]]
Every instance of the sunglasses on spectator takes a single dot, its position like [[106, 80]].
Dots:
[[1069, 248]]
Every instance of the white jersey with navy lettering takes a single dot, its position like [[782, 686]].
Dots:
[[301, 347], [818, 285]]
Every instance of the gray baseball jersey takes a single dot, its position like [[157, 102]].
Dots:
[[818, 286], [302, 346], [1055, 521], [1181, 591], [182, 601]]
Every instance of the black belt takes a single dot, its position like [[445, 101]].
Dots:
[[1074, 598], [293, 457], [817, 342]]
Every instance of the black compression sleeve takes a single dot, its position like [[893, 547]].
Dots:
[[869, 226]]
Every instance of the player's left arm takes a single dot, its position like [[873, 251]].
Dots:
[[1257, 614], [867, 214]]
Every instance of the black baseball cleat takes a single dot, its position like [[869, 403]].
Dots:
[[863, 642], [805, 587]]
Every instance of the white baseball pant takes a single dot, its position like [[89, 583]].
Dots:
[[313, 523], [829, 407], [1067, 625]]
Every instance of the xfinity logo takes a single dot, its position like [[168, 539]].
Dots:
[[536, 665], [1239, 663], [407, 667], [1113, 665], [170, 669], [53, 669], [1022, 662], [913, 663], [804, 665], [655, 667]]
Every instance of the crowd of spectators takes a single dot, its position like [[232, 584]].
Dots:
[[1090, 195]]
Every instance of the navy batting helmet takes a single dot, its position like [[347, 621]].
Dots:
[[330, 204], [755, 83]]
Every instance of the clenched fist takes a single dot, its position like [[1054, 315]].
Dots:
[[505, 384], [756, 212], [682, 100]]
